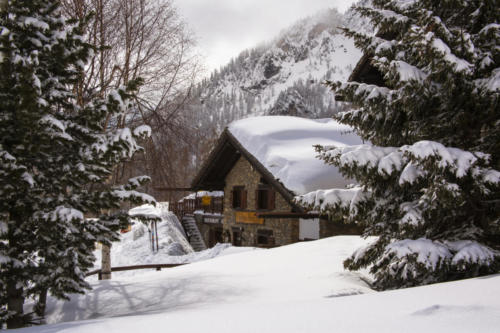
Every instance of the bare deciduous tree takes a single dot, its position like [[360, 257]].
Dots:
[[142, 39], [146, 39]]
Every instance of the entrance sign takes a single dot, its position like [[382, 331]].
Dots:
[[206, 200], [248, 217], [212, 219]]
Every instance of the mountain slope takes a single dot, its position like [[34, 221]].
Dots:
[[283, 76]]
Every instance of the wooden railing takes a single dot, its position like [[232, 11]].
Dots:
[[189, 206], [158, 267]]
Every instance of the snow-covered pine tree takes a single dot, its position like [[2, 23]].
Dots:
[[55, 159], [429, 185]]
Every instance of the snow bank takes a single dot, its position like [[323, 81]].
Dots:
[[296, 288], [284, 145], [302, 271], [134, 247]]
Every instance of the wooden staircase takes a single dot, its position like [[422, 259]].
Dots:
[[193, 233]]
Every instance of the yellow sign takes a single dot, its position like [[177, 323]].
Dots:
[[248, 217], [206, 200]]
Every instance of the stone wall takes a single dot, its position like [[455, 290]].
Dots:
[[337, 227], [203, 228], [285, 230], [206, 228]]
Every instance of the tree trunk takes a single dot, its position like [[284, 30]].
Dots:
[[106, 262], [41, 304], [15, 301]]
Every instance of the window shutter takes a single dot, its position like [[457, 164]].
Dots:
[[243, 199], [232, 199], [257, 200], [271, 197]]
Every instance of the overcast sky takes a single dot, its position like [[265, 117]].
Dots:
[[226, 27]]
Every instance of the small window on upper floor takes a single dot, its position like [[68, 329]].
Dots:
[[265, 198], [239, 197]]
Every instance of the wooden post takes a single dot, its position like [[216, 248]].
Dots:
[[41, 304], [106, 262], [156, 235], [15, 301]]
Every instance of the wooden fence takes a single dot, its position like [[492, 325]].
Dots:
[[158, 267]]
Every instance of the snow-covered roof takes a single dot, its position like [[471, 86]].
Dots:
[[284, 146]]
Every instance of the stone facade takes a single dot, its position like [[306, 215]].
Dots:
[[285, 231], [276, 231], [333, 228], [210, 232]]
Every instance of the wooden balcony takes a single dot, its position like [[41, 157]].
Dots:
[[213, 205]]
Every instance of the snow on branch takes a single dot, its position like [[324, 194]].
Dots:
[[440, 47], [57, 127], [64, 214], [363, 155], [334, 198], [456, 159], [366, 92], [133, 196], [408, 163], [411, 173], [142, 131], [115, 97], [404, 5], [385, 16], [412, 258], [492, 83], [428, 253], [387, 160], [407, 72], [122, 137], [491, 28], [391, 16], [467, 251], [34, 22], [412, 214], [136, 182]]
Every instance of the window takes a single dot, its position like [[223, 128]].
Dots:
[[239, 197], [264, 198], [265, 238]]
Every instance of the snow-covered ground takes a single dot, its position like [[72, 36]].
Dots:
[[134, 247], [296, 288]]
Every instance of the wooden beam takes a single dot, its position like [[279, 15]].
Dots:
[[277, 215], [158, 267]]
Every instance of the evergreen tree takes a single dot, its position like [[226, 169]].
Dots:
[[55, 159], [429, 185]]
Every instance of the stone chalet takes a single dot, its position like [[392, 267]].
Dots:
[[261, 164]]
